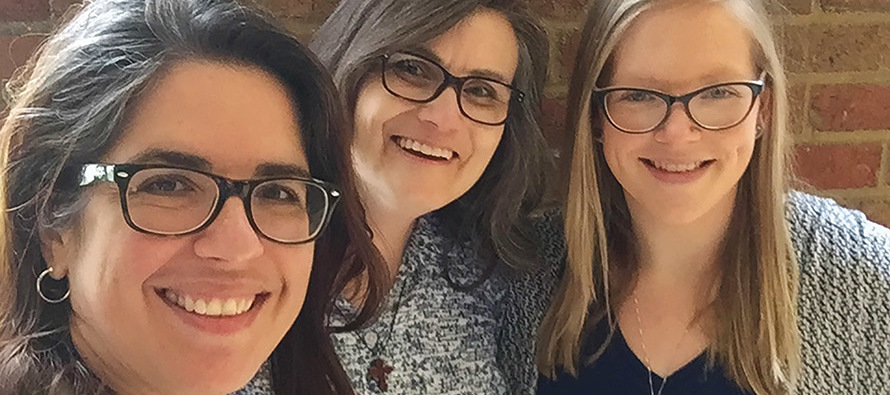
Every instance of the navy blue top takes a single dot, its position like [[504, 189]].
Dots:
[[619, 372]]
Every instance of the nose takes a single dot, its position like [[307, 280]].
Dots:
[[678, 127], [443, 111], [230, 237]]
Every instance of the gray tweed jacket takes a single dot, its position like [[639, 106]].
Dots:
[[844, 301]]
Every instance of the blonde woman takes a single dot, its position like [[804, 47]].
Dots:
[[691, 267]]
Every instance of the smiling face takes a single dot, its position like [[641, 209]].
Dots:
[[415, 157], [679, 172], [131, 292]]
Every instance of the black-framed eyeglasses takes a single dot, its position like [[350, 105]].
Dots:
[[418, 79], [170, 201], [714, 107]]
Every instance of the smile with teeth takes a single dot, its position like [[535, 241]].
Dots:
[[426, 150], [676, 167], [214, 307]]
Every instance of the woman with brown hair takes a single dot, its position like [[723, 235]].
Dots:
[[444, 100], [178, 207], [692, 267]]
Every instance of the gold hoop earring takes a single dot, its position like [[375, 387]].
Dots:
[[40, 289]]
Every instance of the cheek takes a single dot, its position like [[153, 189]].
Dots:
[[373, 107], [109, 277], [616, 145], [110, 255], [740, 144], [295, 265], [485, 143]]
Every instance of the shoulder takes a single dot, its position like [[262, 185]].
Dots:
[[549, 233], [824, 231], [533, 285], [528, 297], [844, 302]]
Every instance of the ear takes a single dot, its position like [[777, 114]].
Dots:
[[57, 249]]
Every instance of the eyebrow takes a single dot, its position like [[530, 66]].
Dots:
[[191, 161], [716, 76], [170, 157], [487, 73], [281, 170]]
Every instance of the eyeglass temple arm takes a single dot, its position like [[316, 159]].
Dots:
[[91, 173]]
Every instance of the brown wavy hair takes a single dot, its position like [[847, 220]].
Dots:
[[494, 212], [67, 108]]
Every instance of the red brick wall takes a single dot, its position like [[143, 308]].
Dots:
[[838, 57]]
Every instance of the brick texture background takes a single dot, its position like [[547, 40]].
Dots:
[[837, 53]]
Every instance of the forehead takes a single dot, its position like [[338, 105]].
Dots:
[[480, 43], [683, 45], [233, 116]]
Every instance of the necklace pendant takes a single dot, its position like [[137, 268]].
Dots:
[[378, 371]]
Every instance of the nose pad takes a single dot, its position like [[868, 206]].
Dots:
[[678, 126], [443, 111], [230, 237]]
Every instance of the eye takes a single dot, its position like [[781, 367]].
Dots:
[[412, 69], [170, 184], [636, 96], [721, 92], [480, 89], [278, 193]]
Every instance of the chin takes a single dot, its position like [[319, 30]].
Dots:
[[220, 374], [424, 203], [218, 381]]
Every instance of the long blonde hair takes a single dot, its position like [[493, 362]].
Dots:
[[756, 338]]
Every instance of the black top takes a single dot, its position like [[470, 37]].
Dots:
[[619, 372]]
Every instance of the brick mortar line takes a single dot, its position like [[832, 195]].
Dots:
[[808, 126], [563, 23], [881, 76], [20, 28], [884, 170], [868, 193], [555, 90], [821, 137], [832, 18]]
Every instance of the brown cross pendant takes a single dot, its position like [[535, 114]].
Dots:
[[378, 371]]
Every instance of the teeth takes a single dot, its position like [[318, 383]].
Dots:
[[200, 307], [417, 146], [230, 308], [214, 308], [676, 167]]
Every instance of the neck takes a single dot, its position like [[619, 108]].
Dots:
[[391, 228], [682, 255]]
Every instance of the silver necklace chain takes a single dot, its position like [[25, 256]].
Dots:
[[646, 353]]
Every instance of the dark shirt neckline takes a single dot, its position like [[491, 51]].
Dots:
[[618, 371], [699, 360]]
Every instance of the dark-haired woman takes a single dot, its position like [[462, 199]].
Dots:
[[177, 188]]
